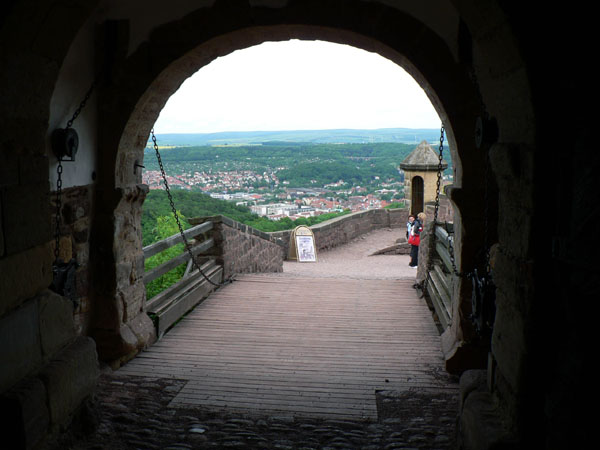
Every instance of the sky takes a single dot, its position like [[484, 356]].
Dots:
[[297, 85]]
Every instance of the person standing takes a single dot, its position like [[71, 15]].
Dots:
[[415, 239], [409, 225]]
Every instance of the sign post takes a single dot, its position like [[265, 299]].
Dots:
[[302, 245]]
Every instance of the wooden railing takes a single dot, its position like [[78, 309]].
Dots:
[[170, 305], [440, 280]]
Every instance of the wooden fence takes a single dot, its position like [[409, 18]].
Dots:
[[440, 279], [170, 305]]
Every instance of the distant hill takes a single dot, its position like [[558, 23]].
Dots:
[[349, 136]]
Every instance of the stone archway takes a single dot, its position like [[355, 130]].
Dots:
[[146, 78], [485, 60]]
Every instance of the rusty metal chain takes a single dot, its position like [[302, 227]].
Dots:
[[186, 243]]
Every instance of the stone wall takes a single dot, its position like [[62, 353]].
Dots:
[[445, 210], [40, 393], [240, 248], [342, 230], [74, 243]]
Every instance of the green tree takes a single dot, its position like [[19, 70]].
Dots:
[[165, 226]]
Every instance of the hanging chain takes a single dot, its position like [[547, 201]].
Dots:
[[437, 197], [486, 213], [437, 206], [186, 243], [439, 176], [451, 253], [59, 171], [88, 94], [436, 209]]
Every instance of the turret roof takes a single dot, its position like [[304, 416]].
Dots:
[[423, 157]]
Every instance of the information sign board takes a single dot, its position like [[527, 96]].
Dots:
[[302, 245]]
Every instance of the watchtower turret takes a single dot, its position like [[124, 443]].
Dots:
[[420, 176]]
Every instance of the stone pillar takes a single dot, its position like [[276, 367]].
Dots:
[[119, 323]]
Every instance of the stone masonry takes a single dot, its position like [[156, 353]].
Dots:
[[242, 249], [341, 230]]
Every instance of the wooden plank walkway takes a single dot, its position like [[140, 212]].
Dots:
[[282, 345]]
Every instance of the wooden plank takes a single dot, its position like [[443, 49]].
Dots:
[[438, 305], [441, 235], [157, 247], [180, 259], [444, 255], [169, 314], [301, 346], [445, 278], [174, 290], [446, 303]]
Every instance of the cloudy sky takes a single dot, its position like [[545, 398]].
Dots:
[[297, 85]]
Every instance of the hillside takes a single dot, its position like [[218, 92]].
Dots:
[[348, 136]]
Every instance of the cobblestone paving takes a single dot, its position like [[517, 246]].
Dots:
[[133, 413]]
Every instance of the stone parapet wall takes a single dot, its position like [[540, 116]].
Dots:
[[445, 210], [240, 248], [342, 230]]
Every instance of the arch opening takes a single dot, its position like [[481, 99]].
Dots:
[[499, 54], [417, 187], [135, 121]]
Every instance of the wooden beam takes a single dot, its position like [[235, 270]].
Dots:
[[438, 305], [169, 242], [445, 299], [444, 255], [442, 235], [153, 304], [169, 314], [180, 259]]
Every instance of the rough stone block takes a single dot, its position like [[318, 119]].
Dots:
[[56, 322], [509, 340], [471, 381], [65, 248], [24, 414], [25, 227], [70, 378], [33, 168], [144, 329], [24, 275], [20, 351], [481, 425]]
